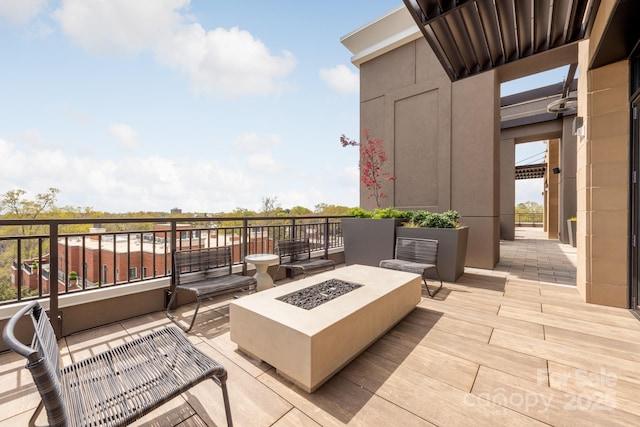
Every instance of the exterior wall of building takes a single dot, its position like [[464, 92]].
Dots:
[[567, 179], [475, 160], [602, 178], [441, 138], [551, 195], [603, 185], [507, 188]]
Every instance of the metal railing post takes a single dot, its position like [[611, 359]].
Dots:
[[244, 239], [54, 312], [326, 238]]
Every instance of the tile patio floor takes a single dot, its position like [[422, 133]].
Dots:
[[500, 347]]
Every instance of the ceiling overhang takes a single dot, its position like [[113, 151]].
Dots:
[[473, 36], [621, 34], [531, 171]]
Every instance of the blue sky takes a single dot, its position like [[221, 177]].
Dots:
[[204, 105]]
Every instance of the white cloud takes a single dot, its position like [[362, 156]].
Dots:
[[227, 61], [231, 61], [341, 79], [31, 138], [155, 183], [119, 26], [261, 163], [19, 12], [251, 142], [125, 134]]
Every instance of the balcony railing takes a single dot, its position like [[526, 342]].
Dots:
[[531, 219], [121, 251]]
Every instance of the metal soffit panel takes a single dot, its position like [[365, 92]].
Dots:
[[472, 36], [531, 171]]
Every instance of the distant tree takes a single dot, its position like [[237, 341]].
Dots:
[[299, 211], [269, 205], [330, 210], [528, 207], [13, 204]]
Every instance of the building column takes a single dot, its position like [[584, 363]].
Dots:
[[507, 188], [475, 164], [553, 150], [602, 182], [567, 185]]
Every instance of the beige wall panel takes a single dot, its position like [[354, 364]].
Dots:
[[609, 198], [608, 100], [608, 271], [475, 146], [552, 193], [610, 222], [507, 188], [387, 73], [608, 125], [475, 164], [482, 232], [607, 294], [611, 149], [568, 158], [427, 65], [418, 123], [417, 151], [609, 247], [372, 118], [608, 77], [609, 174]]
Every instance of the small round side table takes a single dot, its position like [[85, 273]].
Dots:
[[262, 262]]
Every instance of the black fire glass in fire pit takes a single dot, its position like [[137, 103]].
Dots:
[[316, 295]]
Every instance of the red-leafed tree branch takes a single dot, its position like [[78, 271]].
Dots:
[[372, 159]]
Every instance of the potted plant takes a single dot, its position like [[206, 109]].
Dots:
[[73, 277], [571, 228], [372, 159], [452, 238], [369, 236]]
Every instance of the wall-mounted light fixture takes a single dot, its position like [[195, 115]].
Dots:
[[578, 126], [556, 171]]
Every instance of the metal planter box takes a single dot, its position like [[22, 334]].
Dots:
[[452, 247]]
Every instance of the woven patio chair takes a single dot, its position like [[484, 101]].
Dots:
[[118, 386], [415, 256], [295, 255]]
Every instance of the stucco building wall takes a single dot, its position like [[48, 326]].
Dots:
[[442, 139]]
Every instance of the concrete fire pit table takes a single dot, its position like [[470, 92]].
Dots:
[[308, 346]]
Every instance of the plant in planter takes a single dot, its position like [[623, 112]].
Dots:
[[369, 236], [452, 238], [448, 219], [73, 277], [367, 242], [571, 228]]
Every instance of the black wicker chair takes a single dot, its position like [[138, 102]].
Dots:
[[415, 256], [295, 255], [118, 386]]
